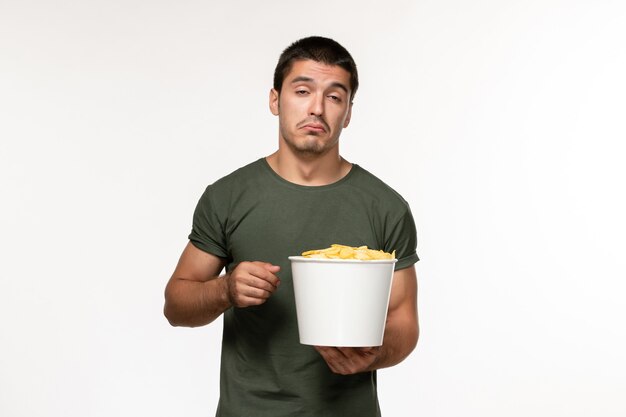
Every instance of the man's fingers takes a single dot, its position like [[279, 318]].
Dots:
[[252, 283], [257, 282], [360, 351], [348, 360], [331, 354], [271, 268], [264, 271], [251, 301], [266, 281], [258, 288]]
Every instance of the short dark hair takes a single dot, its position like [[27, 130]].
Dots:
[[319, 49]]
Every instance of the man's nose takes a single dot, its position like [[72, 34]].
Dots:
[[317, 105]]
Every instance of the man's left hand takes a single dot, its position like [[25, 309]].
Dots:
[[349, 360]]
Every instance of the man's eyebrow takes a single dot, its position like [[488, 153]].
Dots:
[[302, 78]]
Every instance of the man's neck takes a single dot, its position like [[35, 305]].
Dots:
[[310, 171]]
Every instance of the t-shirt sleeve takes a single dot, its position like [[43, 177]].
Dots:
[[403, 239], [207, 232]]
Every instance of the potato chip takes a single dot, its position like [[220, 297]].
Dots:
[[337, 251]]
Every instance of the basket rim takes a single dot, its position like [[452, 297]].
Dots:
[[341, 261]]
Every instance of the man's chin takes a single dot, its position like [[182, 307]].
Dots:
[[309, 152], [310, 147]]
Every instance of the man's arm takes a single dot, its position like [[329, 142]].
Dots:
[[196, 294], [401, 332]]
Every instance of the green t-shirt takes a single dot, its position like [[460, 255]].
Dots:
[[255, 215]]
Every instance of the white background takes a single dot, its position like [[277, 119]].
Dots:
[[501, 122]]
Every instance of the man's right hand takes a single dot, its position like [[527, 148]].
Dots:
[[251, 283], [196, 294]]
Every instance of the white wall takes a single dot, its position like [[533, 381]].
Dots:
[[501, 122]]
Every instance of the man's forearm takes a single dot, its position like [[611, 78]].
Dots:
[[399, 340], [193, 303]]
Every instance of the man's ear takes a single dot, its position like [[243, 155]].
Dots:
[[347, 121], [274, 104]]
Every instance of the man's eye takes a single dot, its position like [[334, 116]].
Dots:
[[301, 92], [334, 98]]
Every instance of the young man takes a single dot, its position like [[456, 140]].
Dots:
[[303, 196]]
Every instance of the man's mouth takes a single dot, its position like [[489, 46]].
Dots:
[[314, 127]]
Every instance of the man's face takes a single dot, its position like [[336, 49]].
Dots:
[[313, 107]]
